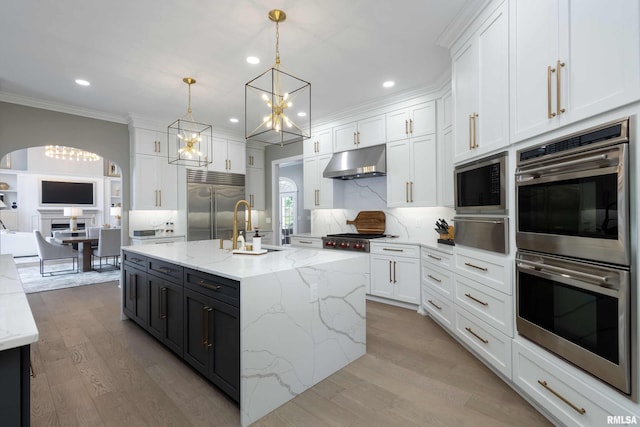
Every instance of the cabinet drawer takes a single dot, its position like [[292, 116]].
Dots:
[[134, 259], [395, 249], [165, 270], [308, 242], [213, 286], [487, 269], [492, 306], [437, 258], [440, 309], [438, 279], [491, 345], [547, 380]]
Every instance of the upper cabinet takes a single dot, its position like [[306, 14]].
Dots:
[[362, 133], [445, 150], [414, 121], [571, 59], [254, 179], [481, 88], [228, 156], [150, 142], [321, 142]]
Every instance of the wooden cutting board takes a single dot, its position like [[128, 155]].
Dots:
[[369, 222]]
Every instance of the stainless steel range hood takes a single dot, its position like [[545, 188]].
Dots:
[[360, 163]]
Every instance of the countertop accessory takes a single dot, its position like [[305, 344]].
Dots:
[[369, 222]]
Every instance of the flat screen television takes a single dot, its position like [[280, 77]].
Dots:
[[67, 193]]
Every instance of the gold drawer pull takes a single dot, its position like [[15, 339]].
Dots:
[[434, 257], [209, 286], [544, 384], [393, 250], [434, 304], [468, 264], [476, 299], [434, 278], [476, 335]]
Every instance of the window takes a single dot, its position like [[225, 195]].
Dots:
[[288, 209]]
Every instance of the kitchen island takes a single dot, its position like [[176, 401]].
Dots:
[[300, 314]]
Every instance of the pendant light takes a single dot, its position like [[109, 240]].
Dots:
[[189, 142], [277, 104]]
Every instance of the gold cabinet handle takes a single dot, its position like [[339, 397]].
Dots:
[[410, 125], [358, 137], [476, 335], [406, 191], [476, 299], [159, 303], [475, 130], [208, 285], [550, 114], [205, 327], [434, 304], [411, 191], [406, 127], [390, 280], [559, 108], [468, 264], [434, 278], [470, 132], [544, 384], [394, 272], [160, 195], [434, 257], [393, 250], [354, 139]]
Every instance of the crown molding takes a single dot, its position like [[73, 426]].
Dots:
[[60, 108], [461, 22]]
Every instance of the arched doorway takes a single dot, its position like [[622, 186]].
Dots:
[[288, 208]]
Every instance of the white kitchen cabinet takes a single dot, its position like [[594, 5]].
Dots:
[[321, 142], [445, 149], [228, 156], [481, 88], [395, 272], [150, 142], [412, 177], [154, 183], [306, 242], [414, 121], [570, 60], [254, 178], [319, 192], [362, 133]]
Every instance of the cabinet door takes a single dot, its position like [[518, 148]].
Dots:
[[165, 312], [320, 143], [445, 168], [136, 295], [255, 188], [150, 142], [325, 184], [371, 131], [465, 89], [167, 185], [382, 276], [406, 275], [236, 154], [534, 47], [197, 310], [397, 125], [219, 149], [398, 173], [602, 60], [225, 336], [344, 137], [422, 119], [424, 184], [255, 158], [311, 184], [145, 190]]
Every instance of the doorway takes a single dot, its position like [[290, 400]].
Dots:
[[289, 214]]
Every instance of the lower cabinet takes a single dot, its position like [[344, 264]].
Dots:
[[395, 272], [166, 314], [135, 293], [15, 386]]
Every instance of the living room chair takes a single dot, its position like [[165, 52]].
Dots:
[[48, 251], [108, 246]]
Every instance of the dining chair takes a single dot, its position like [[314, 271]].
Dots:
[[109, 242], [48, 251], [93, 233]]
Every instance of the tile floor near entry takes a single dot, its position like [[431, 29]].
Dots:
[[94, 369]]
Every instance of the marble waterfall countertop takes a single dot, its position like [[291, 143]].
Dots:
[[17, 326], [302, 314]]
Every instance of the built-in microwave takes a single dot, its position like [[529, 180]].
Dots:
[[481, 186]]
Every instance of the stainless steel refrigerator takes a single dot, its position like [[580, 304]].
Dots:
[[211, 198]]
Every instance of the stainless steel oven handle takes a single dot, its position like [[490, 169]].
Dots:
[[563, 164], [565, 271], [486, 221]]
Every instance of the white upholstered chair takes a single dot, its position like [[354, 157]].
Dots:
[[93, 233], [50, 251], [108, 246]]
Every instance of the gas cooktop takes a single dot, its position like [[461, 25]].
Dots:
[[350, 241]]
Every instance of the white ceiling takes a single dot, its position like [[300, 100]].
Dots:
[[136, 52]]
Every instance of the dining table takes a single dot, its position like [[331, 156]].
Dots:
[[84, 249]]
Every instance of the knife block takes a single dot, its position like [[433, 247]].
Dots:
[[449, 235]]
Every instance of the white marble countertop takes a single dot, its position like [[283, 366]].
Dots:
[[17, 326], [206, 256]]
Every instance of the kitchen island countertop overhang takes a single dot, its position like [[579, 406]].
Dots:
[[302, 314]]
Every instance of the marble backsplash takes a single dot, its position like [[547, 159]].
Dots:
[[411, 224]]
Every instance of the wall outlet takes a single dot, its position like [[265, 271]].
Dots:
[[268, 220], [313, 292]]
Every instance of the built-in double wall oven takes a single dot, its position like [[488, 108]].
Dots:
[[573, 263]]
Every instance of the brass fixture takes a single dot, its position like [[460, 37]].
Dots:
[[235, 221], [283, 95], [189, 141]]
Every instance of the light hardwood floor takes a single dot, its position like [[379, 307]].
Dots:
[[94, 369]]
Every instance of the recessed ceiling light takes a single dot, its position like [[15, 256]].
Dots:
[[388, 83], [302, 114], [233, 120], [253, 60], [82, 82]]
